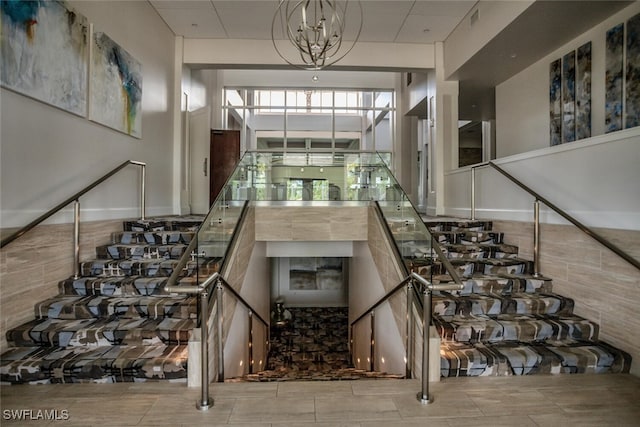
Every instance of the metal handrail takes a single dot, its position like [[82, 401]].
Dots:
[[243, 301], [204, 290], [615, 249], [427, 289], [434, 244], [382, 300], [76, 196], [191, 248]]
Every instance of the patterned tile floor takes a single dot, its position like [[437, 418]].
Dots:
[[543, 400], [313, 345]]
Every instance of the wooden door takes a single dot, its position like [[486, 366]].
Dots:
[[224, 155]]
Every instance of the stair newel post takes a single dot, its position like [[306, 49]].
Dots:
[[372, 365], [219, 320], [250, 342], [473, 194], [76, 239], [410, 320], [205, 400], [423, 395], [536, 238]]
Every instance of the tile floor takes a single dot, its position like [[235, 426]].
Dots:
[[562, 400]]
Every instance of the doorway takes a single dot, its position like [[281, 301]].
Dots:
[[224, 152]]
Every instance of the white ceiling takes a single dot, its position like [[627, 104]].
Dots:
[[542, 28], [399, 21]]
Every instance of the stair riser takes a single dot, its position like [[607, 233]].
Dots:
[[518, 328], [517, 359]]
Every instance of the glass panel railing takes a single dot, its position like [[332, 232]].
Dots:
[[317, 177], [310, 176]]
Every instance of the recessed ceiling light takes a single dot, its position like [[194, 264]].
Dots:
[[315, 78]]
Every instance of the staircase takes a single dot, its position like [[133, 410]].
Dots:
[[506, 321], [115, 323]]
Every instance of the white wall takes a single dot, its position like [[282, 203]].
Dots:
[[522, 102], [48, 154], [595, 181], [365, 288], [255, 290]]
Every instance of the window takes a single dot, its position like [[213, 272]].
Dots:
[[311, 119]]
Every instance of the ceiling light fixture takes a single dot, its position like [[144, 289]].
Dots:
[[316, 29]]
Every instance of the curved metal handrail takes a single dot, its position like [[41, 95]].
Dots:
[[75, 197], [622, 254]]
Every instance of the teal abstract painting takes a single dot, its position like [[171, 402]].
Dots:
[[116, 87], [44, 53]]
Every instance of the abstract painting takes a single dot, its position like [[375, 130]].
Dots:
[[116, 87], [315, 274], [632, 98], [45, 52], [613, 78], [583, 92], [569, 97], [555, 107]]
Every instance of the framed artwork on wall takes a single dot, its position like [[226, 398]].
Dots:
[[583, 91], [116, 87], [45, 53], [632, 96], [613, 78], [315, 274], [555, 107], [569, 97]]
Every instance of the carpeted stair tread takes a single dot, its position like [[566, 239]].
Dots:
[[146, 267], [118, 285], [479, 250], [460, 225], [132, 307], [493, 304], [518, 358], [514, 327], [182, 223], [123, 251], [102, 364], [503, 285], [468, 237], [101, 332]]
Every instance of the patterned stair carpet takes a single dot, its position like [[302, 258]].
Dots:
[[115, 323], [506, 321], [312, 346]]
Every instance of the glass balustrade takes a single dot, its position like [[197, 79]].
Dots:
[[302, 178]]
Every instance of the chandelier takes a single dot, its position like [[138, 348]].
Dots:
[[316, 30]]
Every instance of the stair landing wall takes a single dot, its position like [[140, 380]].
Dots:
[[606, 289], [32, 266]]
